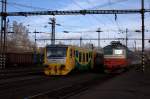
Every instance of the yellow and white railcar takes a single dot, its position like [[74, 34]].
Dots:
[[62, 59]]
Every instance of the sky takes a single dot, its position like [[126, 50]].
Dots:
[[83, 25]]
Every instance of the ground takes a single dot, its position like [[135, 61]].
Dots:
[[130, 85]]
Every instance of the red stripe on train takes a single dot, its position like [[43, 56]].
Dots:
[[115, 63]]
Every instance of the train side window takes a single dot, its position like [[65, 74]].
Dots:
[[76, 53], [70, 52], [83, 58], [73, 53], [87, 58], [80, 56], [91, 54]]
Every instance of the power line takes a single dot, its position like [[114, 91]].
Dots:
[[91, 15], [20, 9], [96, 39], [26, 6], [82, 9], [108, 4]]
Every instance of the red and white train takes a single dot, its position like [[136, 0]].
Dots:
[[118, 56]]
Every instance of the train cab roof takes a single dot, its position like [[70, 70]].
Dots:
[[115, 44], [58, 45]]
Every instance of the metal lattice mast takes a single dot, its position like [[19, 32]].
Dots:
[[126, 37], [3, 34], [53, 23], [143, 36], [99, 31]]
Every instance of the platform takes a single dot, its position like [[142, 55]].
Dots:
[[130, 85]]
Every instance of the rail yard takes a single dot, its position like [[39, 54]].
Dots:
[[95, 50]]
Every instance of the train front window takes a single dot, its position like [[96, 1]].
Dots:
[[56, 52], [108, 51]]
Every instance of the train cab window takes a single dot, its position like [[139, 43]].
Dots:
[[87, 58], [108, 51], [56, 52]]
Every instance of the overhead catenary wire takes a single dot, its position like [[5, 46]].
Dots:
[[79, 7], [94, 39], [26, 6], [97, 20], [21, 6], [108, 4]]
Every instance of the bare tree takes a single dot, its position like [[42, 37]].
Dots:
[[19, 40]]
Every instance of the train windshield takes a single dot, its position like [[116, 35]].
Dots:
[[56, 52], [108, 51]]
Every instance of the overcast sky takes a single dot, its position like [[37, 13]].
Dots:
[[83, 25]]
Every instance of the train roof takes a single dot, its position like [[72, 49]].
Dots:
[[115, 44], [65, 46], [57, 45]]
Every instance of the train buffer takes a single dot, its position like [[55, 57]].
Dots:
[[129, 85]]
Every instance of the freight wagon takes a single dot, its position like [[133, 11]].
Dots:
[[23, 59]]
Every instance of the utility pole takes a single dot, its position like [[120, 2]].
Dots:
[[53, 23], [35, 37], [126, 37], [80, 41], [35, 56], [99, 31], [135, 45], [3, 34], [143, 32]]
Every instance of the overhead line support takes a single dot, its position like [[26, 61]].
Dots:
[[3, 34], [143, 35], [74, 12]]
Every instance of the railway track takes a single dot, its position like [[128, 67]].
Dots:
[[10, 73], [29, 88], [70, 90], [7, 84], [42, 87]]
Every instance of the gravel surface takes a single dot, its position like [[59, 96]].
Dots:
[[130, 85], [22, 89]]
